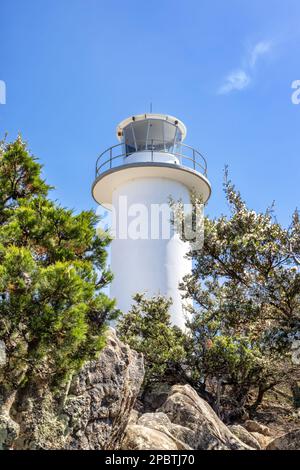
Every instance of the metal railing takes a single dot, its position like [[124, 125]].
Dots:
[[116, 155]]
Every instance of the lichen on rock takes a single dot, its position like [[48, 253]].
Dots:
[[102, 396]]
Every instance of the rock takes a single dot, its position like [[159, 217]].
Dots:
[[155, 396], [102, 396], [261, 439], [185, 408], [288, 441], [254, 426], [2, 353], [245, 436], [41, 426], [9, 431], [99, 413], [133, 417], [139, 437], [161, 422], [183, 422]]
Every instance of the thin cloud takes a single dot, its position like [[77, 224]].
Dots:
[[241, 78], [261, 48], [237, 80]]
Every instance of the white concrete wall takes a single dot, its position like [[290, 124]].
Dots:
[[162, 157], [151, 266]]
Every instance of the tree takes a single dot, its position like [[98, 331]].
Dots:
[[53, 313], [147, 329], [245, 286]]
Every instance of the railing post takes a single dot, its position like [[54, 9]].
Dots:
[[110, 157], [194, 163], [152, 151]]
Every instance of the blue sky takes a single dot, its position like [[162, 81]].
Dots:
[[74, 68]]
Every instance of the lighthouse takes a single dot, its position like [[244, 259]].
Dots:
[[136, 178]]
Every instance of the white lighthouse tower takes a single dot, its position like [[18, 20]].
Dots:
[[136, 178]]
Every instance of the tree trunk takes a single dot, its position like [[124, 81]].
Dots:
[[295, 388], [259, 399], [218, 399]]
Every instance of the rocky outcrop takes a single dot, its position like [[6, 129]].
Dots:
[[245, 436], [96, 409], [155, 431], [40, 423], [155, 396], [103, 409], [254, 426], [102, 396], [261, 439], [184, 421], [9, 429], [139, 437], [287, 441]]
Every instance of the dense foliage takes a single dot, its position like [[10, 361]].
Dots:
[[52, 270], [245, 288], [147, 329]]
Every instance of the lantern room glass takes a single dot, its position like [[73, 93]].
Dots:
[[151, 135]]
